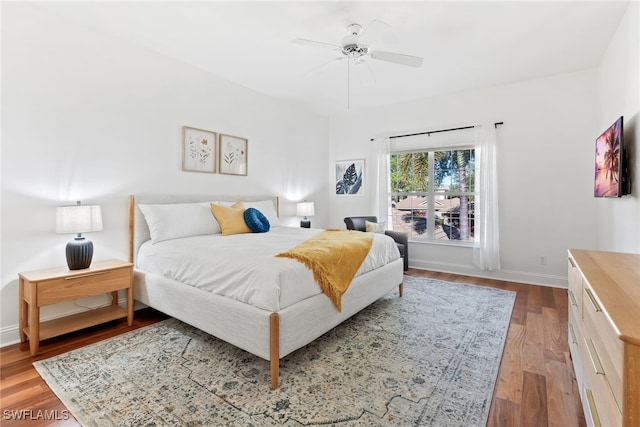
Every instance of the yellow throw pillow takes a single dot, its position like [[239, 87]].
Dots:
[[231, 219]]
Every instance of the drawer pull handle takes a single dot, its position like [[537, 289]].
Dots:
[[594, 303], [593, 355], [572, 298], [572, 334], [81, 276], [591, 403], [573, 264]]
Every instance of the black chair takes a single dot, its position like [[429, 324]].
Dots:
[[401, 238]]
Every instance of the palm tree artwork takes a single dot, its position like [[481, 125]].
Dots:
[[608, 151]]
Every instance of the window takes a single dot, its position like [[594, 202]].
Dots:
[[433, 194]]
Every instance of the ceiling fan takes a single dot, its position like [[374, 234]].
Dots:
[[355, 46]]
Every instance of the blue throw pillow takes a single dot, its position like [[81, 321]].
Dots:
[[256, 221]]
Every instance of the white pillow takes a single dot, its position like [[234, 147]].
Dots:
[[267, 208], [176, 220], [374, 227]]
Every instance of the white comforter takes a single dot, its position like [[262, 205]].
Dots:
[[245, 267]]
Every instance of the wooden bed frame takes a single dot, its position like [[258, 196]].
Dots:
[[268, 335]]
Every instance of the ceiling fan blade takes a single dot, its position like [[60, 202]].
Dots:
[[372, 31], [397, 58], [317, 44], [324, 64]]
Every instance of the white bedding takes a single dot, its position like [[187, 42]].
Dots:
[[244, 266]]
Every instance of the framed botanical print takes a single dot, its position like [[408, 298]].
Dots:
[[349, 177], [233, 155], [198, 150]]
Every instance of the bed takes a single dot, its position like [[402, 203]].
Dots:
[[233, 287]]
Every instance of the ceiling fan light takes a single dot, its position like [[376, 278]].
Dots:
[[354, 29]]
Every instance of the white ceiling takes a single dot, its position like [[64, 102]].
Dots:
[[465, 45]]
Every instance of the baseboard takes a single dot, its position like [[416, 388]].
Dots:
[[10, 334], [506, 275]]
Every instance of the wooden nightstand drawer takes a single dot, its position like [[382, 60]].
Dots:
[[82, 285]]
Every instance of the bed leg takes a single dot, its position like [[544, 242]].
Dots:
[[400, 289], [274, 356]]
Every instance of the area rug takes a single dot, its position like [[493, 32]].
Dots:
[[429, 358]]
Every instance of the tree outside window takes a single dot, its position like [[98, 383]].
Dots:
[[433, 194]]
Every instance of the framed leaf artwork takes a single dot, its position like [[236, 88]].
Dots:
[[198, 150], [349, 177], [233, 155]]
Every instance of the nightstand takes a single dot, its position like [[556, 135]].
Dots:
[[55, 285]]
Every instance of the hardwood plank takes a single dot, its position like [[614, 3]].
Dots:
[[560, 397], [534, 300], [21, 394], [534, 398], [503, 413], [539, 318], [555, 335], [533, 344], [561, 298], [547, 297], [521, 305], [509, 383]]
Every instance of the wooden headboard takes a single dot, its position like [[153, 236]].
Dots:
[[138, 228]]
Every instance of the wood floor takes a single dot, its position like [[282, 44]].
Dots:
[[535, 384]]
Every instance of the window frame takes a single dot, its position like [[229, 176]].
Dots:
[[431, 193]]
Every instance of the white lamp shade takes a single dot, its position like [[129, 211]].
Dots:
[[78, 219], [306, 209]]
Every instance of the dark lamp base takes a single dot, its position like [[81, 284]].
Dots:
[[79, 253], [305, 223]]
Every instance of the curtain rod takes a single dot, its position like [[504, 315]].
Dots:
[[495, 125]]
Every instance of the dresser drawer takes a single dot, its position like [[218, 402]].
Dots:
[[575, 288], [600, 402], [575, 306], [82, 285], [576, 335], [576, 347], [605, 349]]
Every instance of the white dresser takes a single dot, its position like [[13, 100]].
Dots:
[[604, 335]]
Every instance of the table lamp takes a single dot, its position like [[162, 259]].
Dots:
[[305, 209], [78, 219]]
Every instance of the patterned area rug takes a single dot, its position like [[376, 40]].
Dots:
[[428, 359]]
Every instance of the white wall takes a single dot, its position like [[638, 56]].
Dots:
[[89, 117], [545, 154], [619, 95]]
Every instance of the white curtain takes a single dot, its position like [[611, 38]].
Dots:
[[382, 207], [486, 249]]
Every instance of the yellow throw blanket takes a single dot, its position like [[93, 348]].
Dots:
[[334, 257]]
